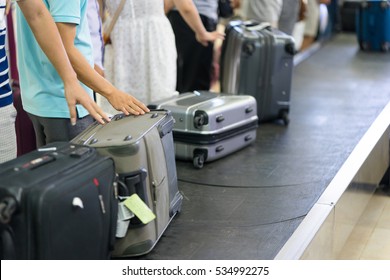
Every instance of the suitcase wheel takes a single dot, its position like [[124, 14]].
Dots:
[[8, 206], [198, 161], [248, 49], [364, 46], [284, 117], [385, 46], [200, 119]]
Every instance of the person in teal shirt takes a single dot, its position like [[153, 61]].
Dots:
[[42, 89], [46, 33]]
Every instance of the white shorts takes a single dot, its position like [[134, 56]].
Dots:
[[8, 134]]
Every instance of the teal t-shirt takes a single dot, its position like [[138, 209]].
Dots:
[[41, 87]]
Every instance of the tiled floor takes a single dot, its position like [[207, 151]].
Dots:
[[370, 239]]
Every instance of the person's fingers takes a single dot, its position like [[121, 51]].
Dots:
[[73, 114], [220, 35], [133, 110], [97, 117], [142, 106], [125, 111], [94, 113], [101, 113]]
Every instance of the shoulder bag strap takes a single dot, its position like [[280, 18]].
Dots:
[[111, 25]]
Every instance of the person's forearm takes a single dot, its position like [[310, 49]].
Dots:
[[188, 11], [87, 74], [37, 16]]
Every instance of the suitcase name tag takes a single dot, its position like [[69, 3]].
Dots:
[[136, 205], [129, 207]]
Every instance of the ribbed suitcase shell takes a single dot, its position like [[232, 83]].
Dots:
[[257, 60], [65, 204], [143, 151], [373, 25], [210, 126]]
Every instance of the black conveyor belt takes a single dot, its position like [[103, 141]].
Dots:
[[248, 204]]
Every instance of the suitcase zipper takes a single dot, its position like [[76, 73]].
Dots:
[[100, 196]]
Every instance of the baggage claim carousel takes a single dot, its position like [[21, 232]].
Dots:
[[267, 201]]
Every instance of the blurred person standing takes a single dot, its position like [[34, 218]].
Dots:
[[44, 96], [95, 29], [312, 22], [289, 16], [194, 43], [7, 110], [47, 36], [264, 11], [141, 57]]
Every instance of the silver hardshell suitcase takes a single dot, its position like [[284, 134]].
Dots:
[[257, 60], [210, 126], [143, 151]]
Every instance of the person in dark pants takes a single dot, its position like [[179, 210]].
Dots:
[[194, 55], [289, 16]]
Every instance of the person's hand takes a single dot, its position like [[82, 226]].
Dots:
[[126, 103], [207, 37], [75, 94]]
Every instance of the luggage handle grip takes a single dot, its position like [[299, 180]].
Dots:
[[253, 26], [248, 110], [35, 163], [220, 118], [219, 149]]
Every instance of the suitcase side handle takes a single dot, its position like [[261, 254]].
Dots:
[[8, 206]]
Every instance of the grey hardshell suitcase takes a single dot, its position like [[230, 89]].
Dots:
[[143, 151], [210, 126], [257, 60], [58, 203]]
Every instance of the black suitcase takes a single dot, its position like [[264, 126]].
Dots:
[[58, 203], [257, 60]]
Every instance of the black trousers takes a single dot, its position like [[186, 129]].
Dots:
[[194, 61]]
